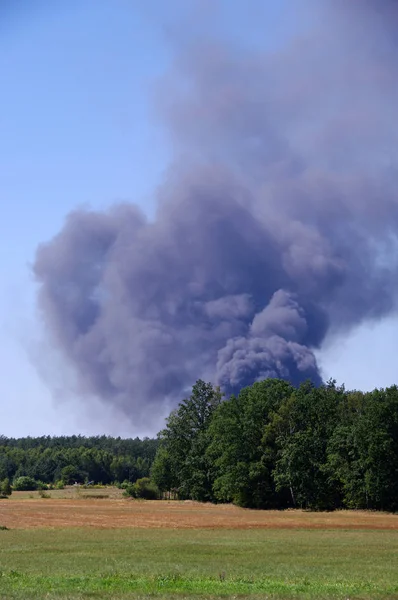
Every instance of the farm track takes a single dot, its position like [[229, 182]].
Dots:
[[120, 514]]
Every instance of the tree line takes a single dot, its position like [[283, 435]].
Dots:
[[277, 446], [102, 459], [271, 446]]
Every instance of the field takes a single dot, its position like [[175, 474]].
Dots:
[[76, 545]]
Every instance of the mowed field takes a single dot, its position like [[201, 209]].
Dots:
[[107, 509], [95, 544]]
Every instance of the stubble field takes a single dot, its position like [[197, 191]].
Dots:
[[80, 544]]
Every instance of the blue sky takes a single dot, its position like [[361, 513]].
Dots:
[[77, 128]]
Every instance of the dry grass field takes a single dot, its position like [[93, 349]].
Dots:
[[68, 510]]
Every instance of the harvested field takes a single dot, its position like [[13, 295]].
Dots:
[[114, 514]]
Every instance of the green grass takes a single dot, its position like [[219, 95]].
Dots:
[[164, 564]]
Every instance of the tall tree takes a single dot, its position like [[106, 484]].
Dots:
[[301, 430], [182, 459], [244, 464], [363, 451]]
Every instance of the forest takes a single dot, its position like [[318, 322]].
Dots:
[[277, 446], [68, 459], [273, 445]]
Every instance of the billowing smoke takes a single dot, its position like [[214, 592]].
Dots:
[[276, 224]]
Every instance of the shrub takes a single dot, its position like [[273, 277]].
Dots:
[[41, 485], [25, 484], [142, 488], [44, 494], [129, 491], [59, 485], [5, 488]]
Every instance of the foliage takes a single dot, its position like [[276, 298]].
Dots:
[[182, 463], [275, 446], [143, 488], [99, 459], [24, 484], [5, 488], [71, 474], [40, 485], [162, 471], [244, 467], [44, 494], [271, 446], [301, 430]]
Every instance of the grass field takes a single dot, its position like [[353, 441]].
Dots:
[[113, 548]]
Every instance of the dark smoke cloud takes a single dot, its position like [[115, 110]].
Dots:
[[276, 225]]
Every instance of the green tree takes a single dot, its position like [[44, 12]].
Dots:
[[347, 455], [70, 474], [162, 472], [100, 458], [301, 430], [363, 452], [182, 461], [243, 464]]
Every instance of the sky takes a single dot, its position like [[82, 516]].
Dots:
[[78, 128]]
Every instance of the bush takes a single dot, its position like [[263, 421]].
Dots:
[[25, 484], [129, 491], [44, 494], [5, 488], [59, 485], [142, 488], [41, 485]]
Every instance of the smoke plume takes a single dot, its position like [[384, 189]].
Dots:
[[276, 224]]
